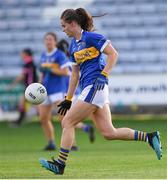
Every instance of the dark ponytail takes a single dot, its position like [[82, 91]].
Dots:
[[81, 16], [63, 45], [85, 19]]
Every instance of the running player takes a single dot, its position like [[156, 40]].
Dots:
[[28, 76], [86, 53]]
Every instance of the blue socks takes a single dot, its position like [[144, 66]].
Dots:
[[86, 128]]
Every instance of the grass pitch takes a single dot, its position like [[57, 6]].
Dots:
[[21, 148]]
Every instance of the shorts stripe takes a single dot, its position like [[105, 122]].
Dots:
[[90, 96]]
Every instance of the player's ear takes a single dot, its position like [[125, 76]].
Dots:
[[73, 24]]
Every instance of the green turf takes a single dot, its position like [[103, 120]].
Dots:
[[20, 150]]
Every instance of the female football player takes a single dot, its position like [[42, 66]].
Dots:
[[53, 71], [86, 54]]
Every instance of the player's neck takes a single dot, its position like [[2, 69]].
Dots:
[[78, 34], [49, 50]]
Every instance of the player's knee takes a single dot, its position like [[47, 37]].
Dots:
[[111, 135], [67, 123], [44, 121], [107, 136]]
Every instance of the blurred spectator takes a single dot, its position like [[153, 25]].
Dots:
[[28, 76]]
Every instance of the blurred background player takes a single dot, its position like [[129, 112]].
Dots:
[[53, 67], [28, 76], [55, 76]]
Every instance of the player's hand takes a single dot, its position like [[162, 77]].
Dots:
[[100, 82], [64, 107]]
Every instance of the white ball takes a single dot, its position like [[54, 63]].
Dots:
[[35, 93]]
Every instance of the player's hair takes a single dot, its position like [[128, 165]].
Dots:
[[28, 51], [81, 16], [63, 45], [51, 34]]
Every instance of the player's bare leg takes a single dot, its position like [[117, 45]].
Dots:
[[74, 145], [22, 113], [103, 121], [45, 114], [77, 113]]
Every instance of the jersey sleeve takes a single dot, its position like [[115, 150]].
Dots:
[[98, 41], [72, 60], [62, 60]]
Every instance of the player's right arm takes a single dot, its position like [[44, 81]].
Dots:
[[74, 78]]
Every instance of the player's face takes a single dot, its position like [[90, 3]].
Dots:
[[23, 55], [50, 42], [68, 28]]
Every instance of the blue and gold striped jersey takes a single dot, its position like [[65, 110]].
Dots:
[[53, 82], [87, 53]]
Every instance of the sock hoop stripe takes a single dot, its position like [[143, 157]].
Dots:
[[64, 150], [140, 136], [63, 154], [62, 157], [143, 136], [136, 135]]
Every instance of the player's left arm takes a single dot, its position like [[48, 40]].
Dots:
[[104, 46], [111, 60], [40, 77], [60, 71], [17, 80], [61, 67]]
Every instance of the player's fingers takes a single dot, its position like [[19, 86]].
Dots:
[[59, 105], [64, 111], [99, 87], [59, 111], [102, 87]]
